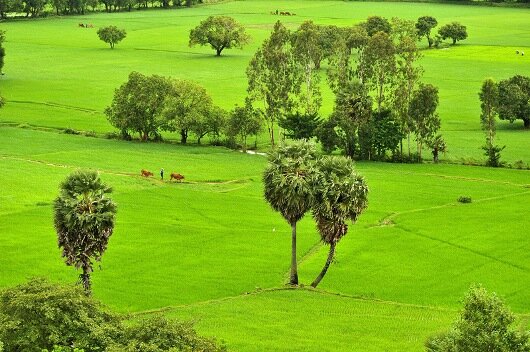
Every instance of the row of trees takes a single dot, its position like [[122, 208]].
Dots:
[[454, 30], [148, 105], [373, 71], [38, 8], [297, 180], [509, 99]]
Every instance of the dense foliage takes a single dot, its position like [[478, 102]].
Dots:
[[40, 316], [483, 325], [111, 35], [221, 32], [84, 221]]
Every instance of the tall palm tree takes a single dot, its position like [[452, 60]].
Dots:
[[84, 218], [339, 195], [287, 182]]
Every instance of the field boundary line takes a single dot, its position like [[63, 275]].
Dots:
[[260, 291]]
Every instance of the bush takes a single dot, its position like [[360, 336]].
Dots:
[[90, 134], [160, 334], [483, 325], [464, 199], [69, 130], [113, 135], [40, 316]]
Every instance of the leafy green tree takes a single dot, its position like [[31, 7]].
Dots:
[[307, 51], [288, 188], [378, 66], [483, 325], [111, 35], [453, 30], [422, 111], [274, 78], [489, 98], [340, 195], [299, 125], [221, 32], [158, 334], [39, 315], [7, 6], [386, 134], [34, 7], [408, 74], [138, 103], [424, 25], [84, 219], [375, 24], [514, 99], [243, 122], [211, 122], [186, 105]]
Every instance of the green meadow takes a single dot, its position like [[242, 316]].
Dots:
[[210, 249]]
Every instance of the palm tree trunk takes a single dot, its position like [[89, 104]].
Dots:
[[85, 280], [326, 266], [294, 268]]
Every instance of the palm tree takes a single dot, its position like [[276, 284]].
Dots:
[[339, 195], [287, 182], [84, 220]]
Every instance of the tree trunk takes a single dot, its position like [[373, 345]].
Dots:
[[85, 280], [294, 268], [326, 266], [183, 136], [526, 123]]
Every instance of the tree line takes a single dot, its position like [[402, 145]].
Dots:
[[40, 8], [373, 70]]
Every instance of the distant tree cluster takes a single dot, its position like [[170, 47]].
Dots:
[[298, 180], [41, 316], [148, 105], [37, 8], [454, 31], [373, 71]]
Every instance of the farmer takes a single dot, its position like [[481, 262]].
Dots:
[[162, 174]]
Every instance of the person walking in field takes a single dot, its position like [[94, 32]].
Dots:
[[162, 174]]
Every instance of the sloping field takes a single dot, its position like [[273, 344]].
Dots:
[[211, 250]]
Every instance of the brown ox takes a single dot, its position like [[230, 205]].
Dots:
[[176, 176], [146, 173]]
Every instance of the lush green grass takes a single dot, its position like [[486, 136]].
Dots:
[[210, 248], [202, 245], [60, 75]]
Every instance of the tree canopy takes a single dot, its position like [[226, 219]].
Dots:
[[514, 99], [221, 32], [84, 219], [138, 103], [424, 25], [483, 325], [453, 30], [111, 35]]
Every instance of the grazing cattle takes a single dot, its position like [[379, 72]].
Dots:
[[81, 25], [90, 25], [176, 176], [146, 173]]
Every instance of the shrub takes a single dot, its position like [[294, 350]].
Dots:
[[464, 199], [113, 135], [90, 134], [483, 325], [69, 130], [43, 317], [40, 315]]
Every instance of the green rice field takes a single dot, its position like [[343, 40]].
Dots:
[[210, 249]]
